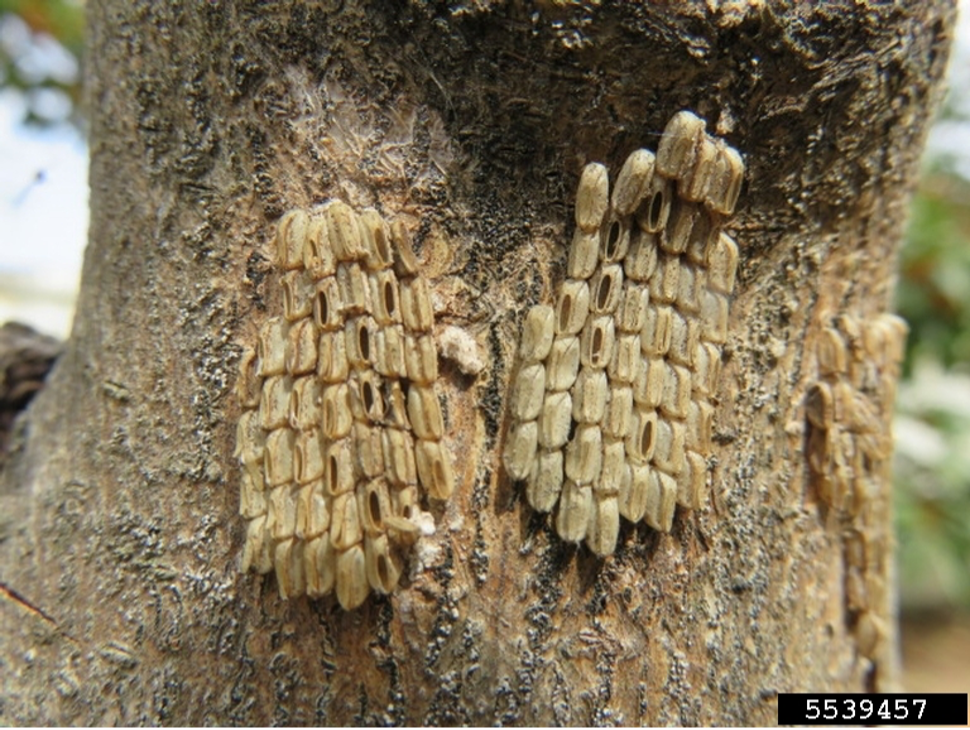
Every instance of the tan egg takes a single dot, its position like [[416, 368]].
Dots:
[[308, 457], [725, 185], [612, 473], [604, 525], [641, 259], [575, 506], [696, 183], [376, 240], [633, 181], [298, 290], [545, 482], [654, 209], [606, 289], [351, 578], [584, 254], [301, 350], [290, 237], [256, 547], [619, 412], [685, 334], [634, 492], [641, 441], [519, 454], [633, 307], [354, 288], [528, 392], [281, 515], [332, 363], [346, 528], [385, 297], [669, 455], [562, 366], [677, 390], [597, 342], [424, 411], [252, 495], [676, 234], [312, 511], [288, 561], [656, 332], [421, 358], [343, 229], [700, 426], [538, 332], [416, 311], [722, 264], [249, 384], [318, 257], [434, 469], [278, 457], [678, 145], [368, 450], [714, 317], [389, 352], [661, 501], [614, 238], [401, 469], [373, 505], [692, 481], [306, 398], [592, 197], [336, 417], [321, 566], [328, 307], [590, 394], [665, 282], [625, 363], [572, 307], [648, 388], [383, 564], [338, 468], [584, 454], [271, 347], [555, 420]]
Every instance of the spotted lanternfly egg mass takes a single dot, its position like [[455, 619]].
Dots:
[[848, 419], [629, 350], [341, 424]]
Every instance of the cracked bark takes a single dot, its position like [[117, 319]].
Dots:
[[119, 542]]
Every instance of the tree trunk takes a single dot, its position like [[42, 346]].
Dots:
[[119, 529]]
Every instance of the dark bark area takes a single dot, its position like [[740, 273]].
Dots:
[[118, 529], [26, 356]]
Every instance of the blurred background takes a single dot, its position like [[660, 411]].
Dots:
[[43, 227]]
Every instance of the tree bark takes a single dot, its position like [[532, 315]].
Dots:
[[122, 600]]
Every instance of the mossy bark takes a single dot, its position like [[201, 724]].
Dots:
[[119, 539]]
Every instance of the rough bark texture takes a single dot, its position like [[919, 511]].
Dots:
[[119, 540]]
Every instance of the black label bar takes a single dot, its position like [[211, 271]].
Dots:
[[872, 709]]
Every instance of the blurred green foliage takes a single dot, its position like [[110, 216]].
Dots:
[[933, 412], [62, 19], [934, 285], [40, 46]]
